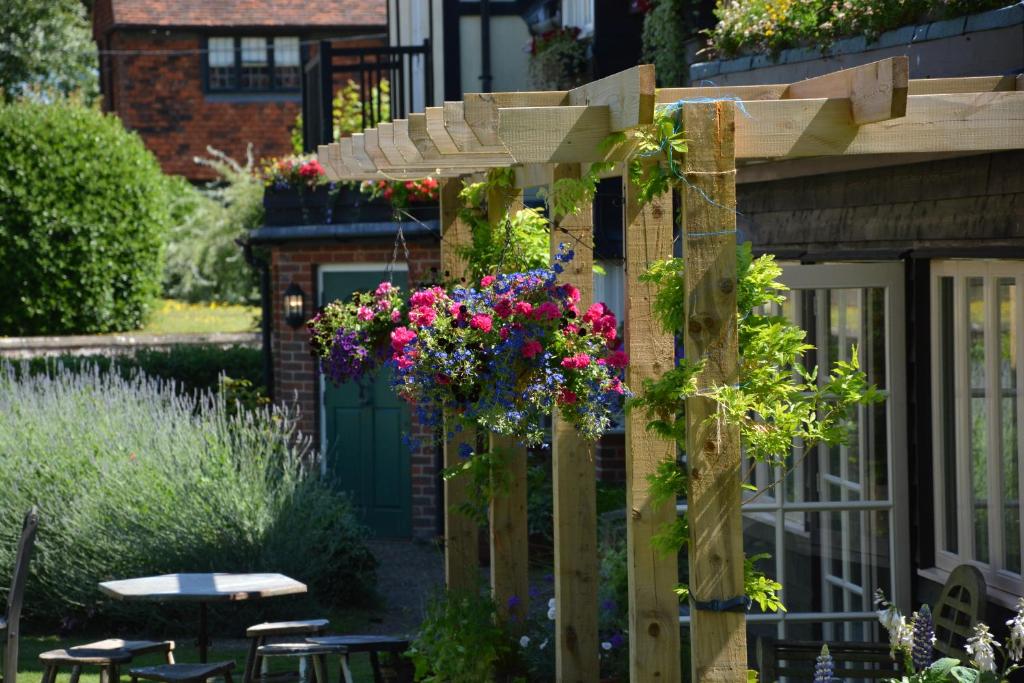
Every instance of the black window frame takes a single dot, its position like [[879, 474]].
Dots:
[[271, 88]]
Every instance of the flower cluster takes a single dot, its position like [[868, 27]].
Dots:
[[293, 171], [509, 352], [350, 338], [824, 667], [402, 193]]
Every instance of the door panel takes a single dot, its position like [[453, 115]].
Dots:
[[364, 426]]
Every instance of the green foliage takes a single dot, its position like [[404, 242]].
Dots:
[[46, 50], [756, 586], [488, 474], [517, 242], [83, 212], [192, 368], [558, 59], [204, 262], [134, 478], [773, 25], [460, 641], [666, 28]]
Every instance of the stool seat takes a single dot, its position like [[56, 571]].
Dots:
[[133, 647], [183, 673], [78, 656], [287, 628], [299, 650], [363, 643]]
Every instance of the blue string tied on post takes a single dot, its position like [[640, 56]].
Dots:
[[740, 603]]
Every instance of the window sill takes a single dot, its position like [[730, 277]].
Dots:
[[252, 97], [995, 594]]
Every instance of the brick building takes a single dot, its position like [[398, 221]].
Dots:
[[187, 74]]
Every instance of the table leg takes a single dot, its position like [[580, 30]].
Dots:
[[203, 637]]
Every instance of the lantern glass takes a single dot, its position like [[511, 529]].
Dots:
[[294, 305]]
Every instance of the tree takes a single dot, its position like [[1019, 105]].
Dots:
[[46, 48]]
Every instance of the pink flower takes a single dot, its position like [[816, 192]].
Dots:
[[400, 337], [396, 315], [481, 322], [595, 312], [423, 316], [548, 310], [615, 384], [504, 308], [566, 396], [365, 314], [455, 310], [503, 333], [487, 281], [579, 361], [617, 359], [383, 289], [610, 335], [524, 307], [571, 292], [531, 348], [424, 297], [572, 328], [403, 362]]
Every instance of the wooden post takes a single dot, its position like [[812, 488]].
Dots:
[[713, 449], [510, 581], [653, 604], [461, 548], [574, 481]]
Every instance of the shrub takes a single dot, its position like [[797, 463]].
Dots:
[[666, 28], [83, 210], [134, 479], [193, 368], [204, 263]]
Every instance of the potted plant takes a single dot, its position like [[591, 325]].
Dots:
[[298, 193]]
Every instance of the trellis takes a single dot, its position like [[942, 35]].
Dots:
[[868, 113]]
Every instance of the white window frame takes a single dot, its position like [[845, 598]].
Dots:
[[579, 13], [1004, 586]]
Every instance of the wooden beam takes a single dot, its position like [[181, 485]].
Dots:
[[574, 479], [876, 91], [455, 123], [710, 334], [419, 136], [455, 233], [481, 109], [554, 134], [629, 96], [965, 122], [386, 142], [653, 604], [404, 144], [358, 150], [510, 581], [438, 132]]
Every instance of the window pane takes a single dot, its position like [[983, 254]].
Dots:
[[254, 51], [1009, 328], [221, 64], [255, 69], [947, 413], [286, 51], [978, 415]]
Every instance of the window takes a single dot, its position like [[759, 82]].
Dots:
[[977, 343], [579, 13], [253, 64]]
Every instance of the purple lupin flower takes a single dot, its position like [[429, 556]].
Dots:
[[922, 653], [824, 667]]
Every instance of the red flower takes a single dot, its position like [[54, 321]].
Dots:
[[531, 348], [577, 362], [481, 322], [504, 308], [311, 169], [617, 359], [423, 316], [487, 281], [567, 397], [524, 307]]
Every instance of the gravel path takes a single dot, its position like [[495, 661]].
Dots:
[[408, 574]]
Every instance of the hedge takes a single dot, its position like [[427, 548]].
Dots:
[[83, 209]]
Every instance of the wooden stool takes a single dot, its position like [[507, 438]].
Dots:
[[371, 645], [259, 633], [108, 655], [183, 673], [315, 653]]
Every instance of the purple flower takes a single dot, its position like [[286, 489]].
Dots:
[[617, 640], [922, 652], [824, 668]]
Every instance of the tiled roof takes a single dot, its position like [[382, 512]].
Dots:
[[249, 13]]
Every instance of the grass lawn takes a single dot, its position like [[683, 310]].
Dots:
[[179, 317], [30, 671]]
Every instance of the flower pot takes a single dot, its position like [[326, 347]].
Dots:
[[327, 204]]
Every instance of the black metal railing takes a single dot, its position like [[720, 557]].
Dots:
[[332, 67]]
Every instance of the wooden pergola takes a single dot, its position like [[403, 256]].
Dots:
[[859, 112]]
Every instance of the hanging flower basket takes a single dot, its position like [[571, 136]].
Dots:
[[352, 338], [298, 193], [509, 353]]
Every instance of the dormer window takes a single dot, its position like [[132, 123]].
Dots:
[[252, 64]]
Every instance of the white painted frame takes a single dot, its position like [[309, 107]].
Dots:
[[365, 267], [579, 13], [1004, 586]]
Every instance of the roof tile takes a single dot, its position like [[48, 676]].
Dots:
[[249, 12]]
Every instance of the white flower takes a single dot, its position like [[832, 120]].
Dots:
[[606, 646], [551, 603], [980, 647], [551, 614], [543, 645], [1015, 641], [524, 641]]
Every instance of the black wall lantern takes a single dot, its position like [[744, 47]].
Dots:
[[294, 306]]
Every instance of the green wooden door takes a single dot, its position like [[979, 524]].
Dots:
[[364, 426]]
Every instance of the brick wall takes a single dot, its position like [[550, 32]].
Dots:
[[296, 376], [160, 95]]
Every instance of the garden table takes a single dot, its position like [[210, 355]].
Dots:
[[202, 588]]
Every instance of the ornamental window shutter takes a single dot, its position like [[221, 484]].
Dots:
[[254, 51], [286, 51], [222, 52]]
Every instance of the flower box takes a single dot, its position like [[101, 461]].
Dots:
[[325, 206]]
